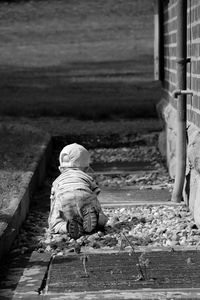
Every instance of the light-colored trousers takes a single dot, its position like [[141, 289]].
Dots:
[[68, 205]]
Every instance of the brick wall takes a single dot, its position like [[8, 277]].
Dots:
[[193, 52], [193, 69], [169, 37], [168, 138]]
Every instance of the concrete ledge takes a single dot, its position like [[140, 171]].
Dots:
[[167, 146], [12, 217], [183, 293]]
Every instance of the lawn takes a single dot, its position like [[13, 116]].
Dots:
[[86, 59]]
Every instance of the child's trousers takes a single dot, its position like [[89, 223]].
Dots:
[[64, 207]]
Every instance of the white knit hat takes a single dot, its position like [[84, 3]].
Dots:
[[74, 156]]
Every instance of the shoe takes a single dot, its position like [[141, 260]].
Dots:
[[75, 228], [90, 218]]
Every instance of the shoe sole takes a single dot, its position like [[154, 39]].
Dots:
[[89, 219], [75, 228]]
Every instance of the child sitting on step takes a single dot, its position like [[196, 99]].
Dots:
[[75, 208]]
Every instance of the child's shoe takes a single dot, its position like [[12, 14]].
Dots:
[[90, 218], [75, 228]]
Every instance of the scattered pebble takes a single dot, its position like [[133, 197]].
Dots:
[[151, 226], [156, 179], [135, 153]]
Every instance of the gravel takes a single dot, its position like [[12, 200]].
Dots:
[[148, 154], [158, 178], [150, 226]]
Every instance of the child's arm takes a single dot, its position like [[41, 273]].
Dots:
[[94, 187]]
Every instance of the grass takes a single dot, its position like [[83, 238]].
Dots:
[[20, 148], [82, 59], [49, 33], [141, 261], [83, 100]]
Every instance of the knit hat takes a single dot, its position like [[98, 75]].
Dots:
[[74, 156]]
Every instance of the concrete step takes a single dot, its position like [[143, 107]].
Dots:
[[133, 195], [115, 276], [23, 276], [106, 275], [122, 167]]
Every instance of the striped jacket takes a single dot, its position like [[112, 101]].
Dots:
[[74, 179], [64, 200]]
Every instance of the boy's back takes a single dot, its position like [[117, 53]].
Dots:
[[74, 179]]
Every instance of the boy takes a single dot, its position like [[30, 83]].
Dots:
[[75, 208]]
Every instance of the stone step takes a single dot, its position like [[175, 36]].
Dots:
[[115, 276], [111, 275], [125, 167], [132, 195]]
